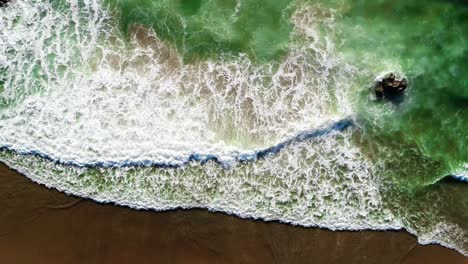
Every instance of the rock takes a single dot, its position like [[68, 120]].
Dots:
[[390, 88], [3, 2]]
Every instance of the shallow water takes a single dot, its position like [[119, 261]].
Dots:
[[218, 104]]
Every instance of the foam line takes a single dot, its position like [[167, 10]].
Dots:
[[198, 157]]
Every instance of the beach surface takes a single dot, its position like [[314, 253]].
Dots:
[[40, 225]]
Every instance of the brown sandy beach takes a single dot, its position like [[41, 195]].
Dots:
[[39, 225]]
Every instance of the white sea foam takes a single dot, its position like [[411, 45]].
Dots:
[[321, 182], [112, 104]]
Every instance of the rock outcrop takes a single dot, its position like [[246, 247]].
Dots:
[[390, 88]]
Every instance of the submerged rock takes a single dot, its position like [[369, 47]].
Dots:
[[390, 88]]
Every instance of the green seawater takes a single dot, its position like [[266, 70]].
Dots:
[[425, 138], [430, 43], [418, 142], [427, 40], [414, 145], [208, 28]]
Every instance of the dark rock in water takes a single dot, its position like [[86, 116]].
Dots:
[[390, 88], [3, 2]]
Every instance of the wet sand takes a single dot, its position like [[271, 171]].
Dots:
[[39, 225]]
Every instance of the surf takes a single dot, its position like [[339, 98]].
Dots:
[[156, 105]]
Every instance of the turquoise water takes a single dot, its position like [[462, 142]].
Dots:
[[234, 106]]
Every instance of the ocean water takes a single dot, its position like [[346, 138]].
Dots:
[[262, 109]]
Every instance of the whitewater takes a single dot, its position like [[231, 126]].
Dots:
[[125, 117]]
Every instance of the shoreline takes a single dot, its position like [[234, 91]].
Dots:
[[20, 190]]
